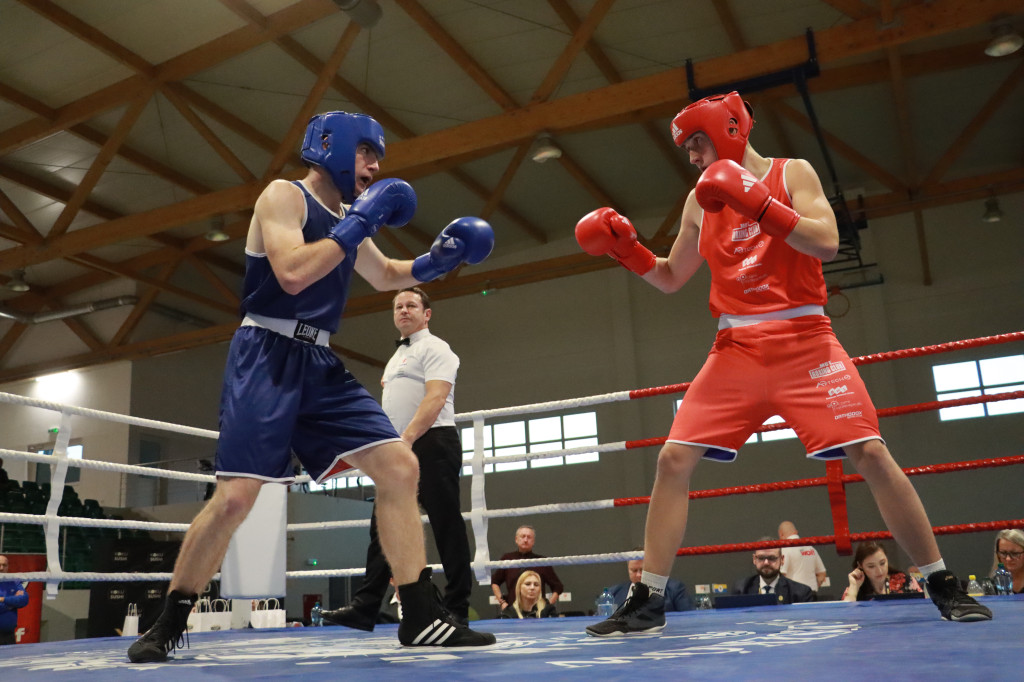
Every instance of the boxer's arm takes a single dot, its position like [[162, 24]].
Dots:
[[670, 274], [276, 229], [816, 233], [383, 273]]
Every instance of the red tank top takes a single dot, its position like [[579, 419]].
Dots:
[[752, 272]]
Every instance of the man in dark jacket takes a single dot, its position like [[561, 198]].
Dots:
[[12, 597], [769, 579], [506, 577]]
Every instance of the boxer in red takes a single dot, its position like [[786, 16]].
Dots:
[[763, 226]]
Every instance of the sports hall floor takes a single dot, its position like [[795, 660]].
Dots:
[[829, 641]]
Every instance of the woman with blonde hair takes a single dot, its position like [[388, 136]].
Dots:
[[1010, 553], [529, 602]]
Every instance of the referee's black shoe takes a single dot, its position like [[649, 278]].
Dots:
[[425, 621], [351, 616]]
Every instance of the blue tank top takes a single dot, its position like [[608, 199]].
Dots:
[[322, 302]]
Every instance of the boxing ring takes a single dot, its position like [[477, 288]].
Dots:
[[844, 641]]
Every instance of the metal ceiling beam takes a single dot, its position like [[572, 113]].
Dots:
[[844, 149]]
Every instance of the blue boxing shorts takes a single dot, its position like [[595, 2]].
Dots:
[[281, 396]]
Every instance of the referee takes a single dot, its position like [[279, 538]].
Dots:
[[419, 392]]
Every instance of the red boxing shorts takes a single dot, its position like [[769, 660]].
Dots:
[[796, 369]]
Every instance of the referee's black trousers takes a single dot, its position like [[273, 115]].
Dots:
[[439, 452]]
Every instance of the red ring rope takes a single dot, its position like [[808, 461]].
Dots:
[[868, 359]]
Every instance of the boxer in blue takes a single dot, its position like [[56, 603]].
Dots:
[[285, 390]]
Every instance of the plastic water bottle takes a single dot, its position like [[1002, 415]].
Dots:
[[1003, 581], [703, 598], [316, 615], [605, 604], [974, 587]]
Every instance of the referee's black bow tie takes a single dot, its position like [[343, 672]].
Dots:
[[402, 342]]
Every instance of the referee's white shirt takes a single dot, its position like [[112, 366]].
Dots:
[[426, 358]]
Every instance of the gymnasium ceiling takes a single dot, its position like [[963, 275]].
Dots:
[[129, 127]]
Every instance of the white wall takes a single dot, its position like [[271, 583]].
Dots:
[[106, 388]]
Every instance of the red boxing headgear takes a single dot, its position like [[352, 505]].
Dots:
[[725, 119]]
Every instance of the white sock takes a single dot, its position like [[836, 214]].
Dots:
[[928, 569], [656, 583]]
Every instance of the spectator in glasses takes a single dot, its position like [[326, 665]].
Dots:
[[1010, 553], [768, 578]]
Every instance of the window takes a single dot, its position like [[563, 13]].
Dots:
[[764, 436], [979, 377], [534, 435], [75, 451]]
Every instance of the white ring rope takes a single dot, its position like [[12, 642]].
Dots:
[[482, 565], [579, 559], [549, 508], [109, 466], [478, 515], [105, 416], [543, 407], [81, 522]]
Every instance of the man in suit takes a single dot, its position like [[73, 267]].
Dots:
[[769, 579]]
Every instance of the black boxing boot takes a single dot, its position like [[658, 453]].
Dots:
[[425, 621], [954, 604], [168, 632]]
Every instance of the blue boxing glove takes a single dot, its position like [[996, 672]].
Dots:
[[388, 202], [464, 240]]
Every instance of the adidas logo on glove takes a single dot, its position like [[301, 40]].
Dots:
[[449, 243], [748, 182]]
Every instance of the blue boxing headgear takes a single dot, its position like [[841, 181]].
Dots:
[[331, 141]]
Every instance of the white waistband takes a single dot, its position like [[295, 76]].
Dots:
[[727, 321], [293, 329]]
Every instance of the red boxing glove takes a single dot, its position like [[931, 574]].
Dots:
[[726, 183], [604, 231]]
